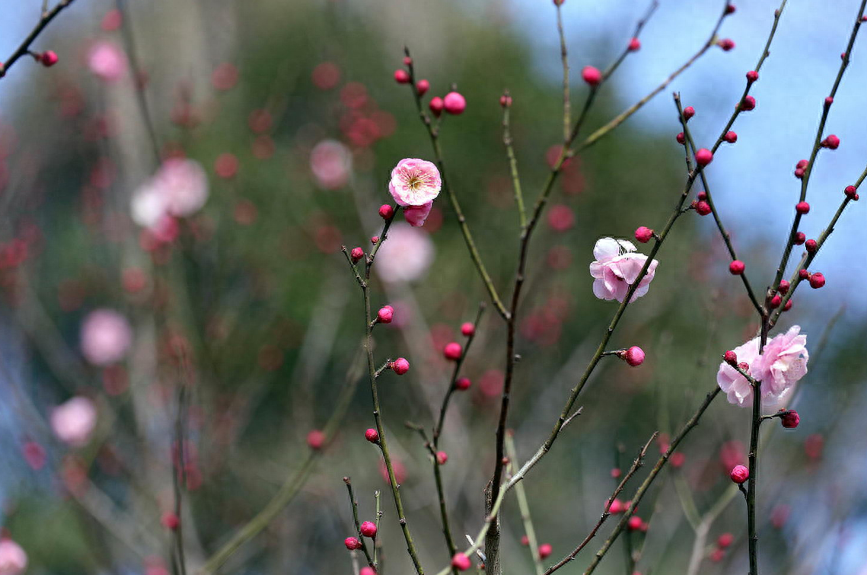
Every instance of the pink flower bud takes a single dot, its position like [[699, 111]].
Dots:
[[703, 157], [367, 570], [643, 234], [401, 76], [717, 555], [730, 137], [634, 356], [811, 246], [368, 529], [731, 358], [505, 101], [832, 142], [462, 383], [790, 419], [442, 457], [385, 314], [748, 104], [616, 473], [468, 329], [616, 506], [452, 351], [688, 112], [730, 9], [455, 103], [784, 287], [635, 523], [739, 474], [802, 164], [701, 196], [681, 139], [817, 280], [828, 101], [371, 435], [374, 240], [634, 45], [802, 208], [725, 540], [316, 439], [736, 268], [752, 76], [422, 86], [356, 254], [775, 302], [800, 238], [788, 305], [803, 274], [352, 543], [850, 191], [726, 44], [591, 75], [386, 211], [545, 550], [702, 208], [48, 58], [525, 541], [461, 562], [400, 366], [436, 105]]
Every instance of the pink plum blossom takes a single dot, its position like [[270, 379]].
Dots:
[[107, 60], [416, 215], [179, 189], [74, 421], [331, 164], [13, 559], [616, 268], [105, 337], [405, 255], [414, 182], [781, 364]]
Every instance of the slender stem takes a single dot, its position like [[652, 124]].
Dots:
[[636, 499], [179, 473], [458, 364], [636, 465], [513, 164], [524, 507], [378, 542], [808, 258], [817, 143], [374, 392], [353, 503], [433, 133], [567, 103], [752, 534], [626, 114], [723, 233], [24, 47]]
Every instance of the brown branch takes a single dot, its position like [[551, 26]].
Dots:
[[24, 48]]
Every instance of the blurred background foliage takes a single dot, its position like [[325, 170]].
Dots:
[[257, 294]]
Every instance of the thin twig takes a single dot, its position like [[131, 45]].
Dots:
[[353, 503], [564, 57], [513, 163], [524, 507], [636, 465], [24, 48]]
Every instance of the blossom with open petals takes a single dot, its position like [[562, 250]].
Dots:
[[414, 182], [782, 363], [331, 164], [617, 267], [178, 189], [107, 60]]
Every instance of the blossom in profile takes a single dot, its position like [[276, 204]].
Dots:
[[331, 164], [105, 337], [106, 60], [74, 421], [417, 215], [178, 189], [405, 255], [414, 182], [13, 559], [781, 364], [617, 267]]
